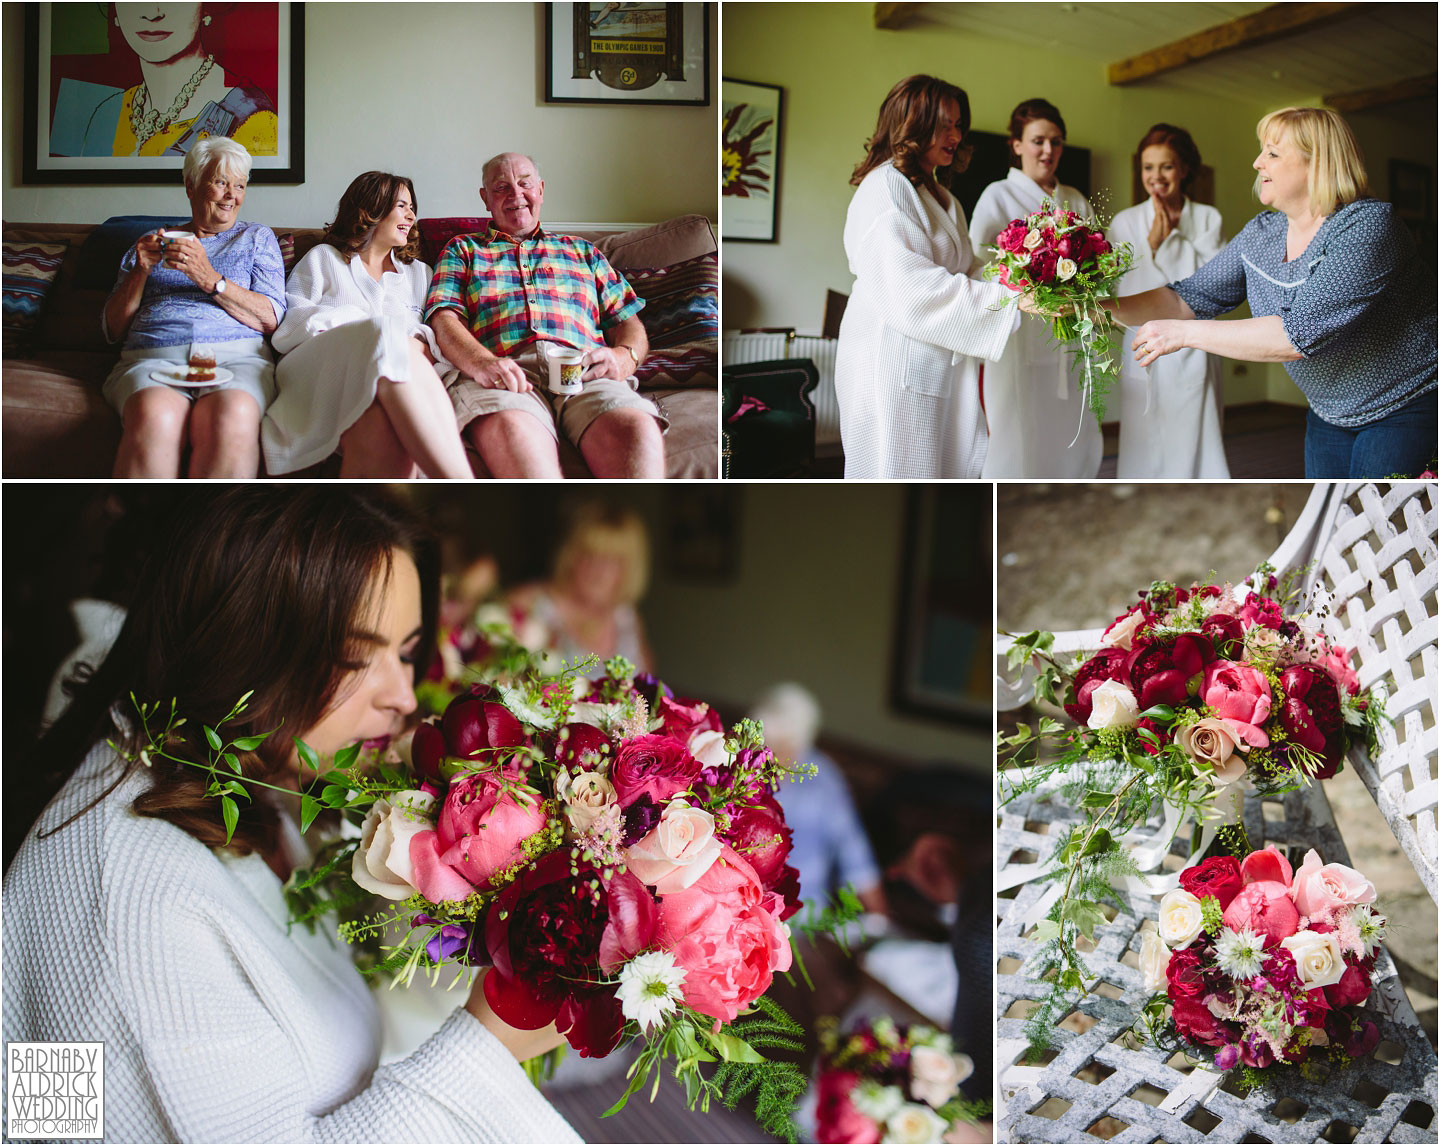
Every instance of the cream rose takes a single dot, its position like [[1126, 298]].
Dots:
[[586, 796], [1323, 887], [382, 861], [914, 1123], [678, 851], [1213, 743], [935, 1076], [1154, 960], [1113, 706], [1121, 634], [1065, 269], [1180, 918], [1033, 239], [708, 747], [1317, 958]]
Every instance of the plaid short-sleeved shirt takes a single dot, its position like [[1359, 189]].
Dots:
[[515, 291]]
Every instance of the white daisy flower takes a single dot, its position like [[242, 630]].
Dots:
[[1240, 953], [1370, 925], [649, 988]]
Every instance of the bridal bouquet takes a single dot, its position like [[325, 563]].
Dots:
[[1066, 264], [886, 1083], [1194, 694], [1264, 965]]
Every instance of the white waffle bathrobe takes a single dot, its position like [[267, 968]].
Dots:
[[1170, 421], [906, 375], [221, 1024], [343, 331], [1032, 394]]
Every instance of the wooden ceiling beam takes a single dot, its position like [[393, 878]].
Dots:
[[1417, 88], [895, 16], [1272, 23]]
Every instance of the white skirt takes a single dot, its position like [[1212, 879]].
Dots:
[[325, 384]]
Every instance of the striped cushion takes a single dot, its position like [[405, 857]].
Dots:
[[286, 239], [29, 269], [682, 321]]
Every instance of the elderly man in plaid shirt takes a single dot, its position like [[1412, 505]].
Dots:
[[497, 297]]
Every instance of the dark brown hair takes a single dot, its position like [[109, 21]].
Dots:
[[1178, 140], [1027, 111], [255, 587], [906, 128], [368, 199]]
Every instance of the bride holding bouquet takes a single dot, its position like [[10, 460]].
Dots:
[[1032, 396], [906, 374]]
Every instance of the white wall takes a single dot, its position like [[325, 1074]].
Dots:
[[431, 91]]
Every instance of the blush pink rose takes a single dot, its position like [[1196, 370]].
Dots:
[[1266, 908], [1240, 696], [479, 832], [1266, 864], [725, 932], [1323, 887], [677, 851]]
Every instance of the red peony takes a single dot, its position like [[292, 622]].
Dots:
[[582, 746], [761, 835], [657, 766], [1311, 714], [1183, 973], [1196, 1023], [1353, 988], [475, 729], [1160, 674], [1218, 876], [1107, 664], [545, 934], [1227, 633], [1012, 238], [836, 1119], [1042, 265]]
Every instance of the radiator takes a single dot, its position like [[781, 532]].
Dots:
[[764, 346]]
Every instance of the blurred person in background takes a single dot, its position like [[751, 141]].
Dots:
[[830, 849], [601, 570]]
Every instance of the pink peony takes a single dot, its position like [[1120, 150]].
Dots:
[[1323, 887], [1266, 864], [479, 832], [725, 932], [1240, 696], [1337, 660], [1266, 908]]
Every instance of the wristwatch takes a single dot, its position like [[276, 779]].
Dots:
[[634, 357], [219, 286]]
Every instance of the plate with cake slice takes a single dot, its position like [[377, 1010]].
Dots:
[[201, 370]]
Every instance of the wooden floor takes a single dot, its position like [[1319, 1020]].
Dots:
[[1264, 440]]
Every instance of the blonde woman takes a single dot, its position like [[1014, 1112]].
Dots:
[[1339, 294]]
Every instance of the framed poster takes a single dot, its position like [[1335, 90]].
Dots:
[[118, 93], [628, 53], [749, 161], [943, 664]]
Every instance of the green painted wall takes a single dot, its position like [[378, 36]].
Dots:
[[836, 67]]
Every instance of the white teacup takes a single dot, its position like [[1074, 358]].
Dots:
[[566, 367], [171, 236]]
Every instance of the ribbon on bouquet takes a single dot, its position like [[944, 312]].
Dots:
[[1147, 848], [1086, 342]]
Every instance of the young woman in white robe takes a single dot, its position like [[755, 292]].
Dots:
[[1032, 394], [358, 369], [906, 374], [1170, 414]]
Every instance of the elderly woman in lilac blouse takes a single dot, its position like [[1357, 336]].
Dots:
[[202, 297]]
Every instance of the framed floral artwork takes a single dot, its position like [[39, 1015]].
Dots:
[[750, 161], [643, 53], [118, 94]]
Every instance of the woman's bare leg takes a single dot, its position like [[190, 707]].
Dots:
[[424, 420], [153, 437], [370, 449]]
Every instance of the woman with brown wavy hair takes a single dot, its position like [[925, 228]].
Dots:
[[358, 370], [906, 375], [127, 919]]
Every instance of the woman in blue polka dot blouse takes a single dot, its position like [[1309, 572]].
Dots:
[[1339, 294]]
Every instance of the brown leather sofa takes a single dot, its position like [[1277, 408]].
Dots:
[[56, 424]]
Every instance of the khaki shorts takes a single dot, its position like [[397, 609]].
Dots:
[[572, 413]]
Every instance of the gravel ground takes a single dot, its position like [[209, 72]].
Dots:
[[1073, 557]]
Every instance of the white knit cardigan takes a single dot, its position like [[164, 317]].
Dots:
[[220, 1023]]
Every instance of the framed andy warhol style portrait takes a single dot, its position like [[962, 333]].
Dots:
[[118, 93]]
